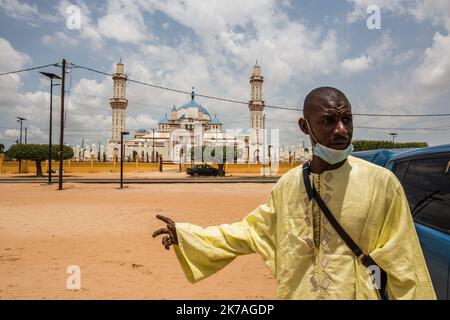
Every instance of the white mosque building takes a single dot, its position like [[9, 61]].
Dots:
[[191, 125]]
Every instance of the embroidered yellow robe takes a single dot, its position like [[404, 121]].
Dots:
[[302, 250]]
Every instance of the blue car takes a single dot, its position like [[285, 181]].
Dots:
[[425, 176], [379, 157]]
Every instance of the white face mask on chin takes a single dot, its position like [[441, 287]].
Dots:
[[327, 154]]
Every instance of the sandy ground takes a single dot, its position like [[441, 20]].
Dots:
[[107, 233]]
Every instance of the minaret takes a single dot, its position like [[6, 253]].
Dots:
[[256, 103], [118, 102]]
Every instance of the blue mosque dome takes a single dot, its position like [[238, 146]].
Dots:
[[192, 106]]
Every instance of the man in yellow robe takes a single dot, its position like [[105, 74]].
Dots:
[[298, 244]]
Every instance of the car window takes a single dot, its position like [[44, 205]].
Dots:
[[427, 187], [400, 169]]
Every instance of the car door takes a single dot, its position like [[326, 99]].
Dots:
[[426, 182], [203, 170]]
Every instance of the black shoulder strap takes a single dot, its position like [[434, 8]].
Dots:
[[364, 258]]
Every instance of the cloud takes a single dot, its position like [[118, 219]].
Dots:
[[356, 65], [24, 11], [230, 38], [418, 88], [10, 58], [11, 134], [209, 18], [123, 22], [141, 121], [17, 9], [404, 57], [59, 38], [436, 11], [381, 50], [434, 71], [378, 54], [421, 88], [88, 30]]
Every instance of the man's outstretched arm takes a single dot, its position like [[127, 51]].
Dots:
[[204, 251]]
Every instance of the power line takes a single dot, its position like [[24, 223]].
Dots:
[[181, 91], [440, 128], [29, 69], [220, 98], [267, 106], [403, 115]]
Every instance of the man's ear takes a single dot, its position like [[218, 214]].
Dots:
[[303, 126]]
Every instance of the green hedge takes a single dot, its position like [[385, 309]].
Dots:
[[362, 145]]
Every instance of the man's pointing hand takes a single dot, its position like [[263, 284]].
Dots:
[[171, 232]]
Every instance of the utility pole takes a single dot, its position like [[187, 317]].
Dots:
[[98, 151], [26, 128], [61, 133]]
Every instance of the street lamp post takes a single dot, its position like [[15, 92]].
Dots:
[[51, 76], [192, 148], [270, 161], [26, 129], [235, 152], [264, 145], [394, 135], [248, 153], [121, 157], [21, 120], [153, 145]]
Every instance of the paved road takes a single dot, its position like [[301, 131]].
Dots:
[[150, 180]]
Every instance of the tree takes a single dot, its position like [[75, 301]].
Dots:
[[37, 153], [2, 147]]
